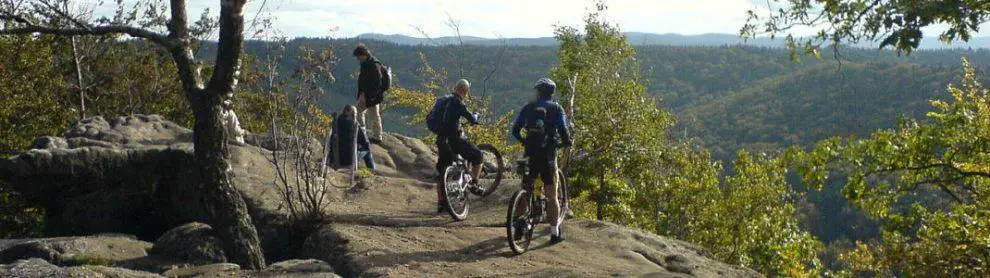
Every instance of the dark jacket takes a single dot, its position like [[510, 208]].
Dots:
[[343, 130], [370, 80], [556, 122], [452, 116]]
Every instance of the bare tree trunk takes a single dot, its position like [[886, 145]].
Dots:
[[225, 205], [220, 200], [227, 208], [600, 203], [77, 61], [223, 202]]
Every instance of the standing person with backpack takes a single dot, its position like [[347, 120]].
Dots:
[[374, 80], [444, 121], [544, 120]]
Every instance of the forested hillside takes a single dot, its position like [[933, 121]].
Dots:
[[726, 98], [731, 97]]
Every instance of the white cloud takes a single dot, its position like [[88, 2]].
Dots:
[[488, 18]]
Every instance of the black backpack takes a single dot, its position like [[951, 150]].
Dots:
[[538, 128], [434, 120]]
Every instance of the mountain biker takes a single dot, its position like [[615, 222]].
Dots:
[[544, 121], [451, 142]]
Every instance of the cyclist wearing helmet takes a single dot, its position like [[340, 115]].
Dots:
[[544, 120], [451, 142]]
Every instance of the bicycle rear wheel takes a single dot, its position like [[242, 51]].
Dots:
[[492, 169], [519, 215], [456, 194]]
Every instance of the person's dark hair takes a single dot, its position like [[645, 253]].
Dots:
[[362, 49]]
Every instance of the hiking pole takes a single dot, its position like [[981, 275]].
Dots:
[[354, 154], [326, 148]]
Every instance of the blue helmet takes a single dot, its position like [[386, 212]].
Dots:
[[545, 86]]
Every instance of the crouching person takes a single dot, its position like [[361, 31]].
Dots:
[[345, 127]]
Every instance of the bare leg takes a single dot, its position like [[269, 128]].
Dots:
[[475, 171], [553, 205]]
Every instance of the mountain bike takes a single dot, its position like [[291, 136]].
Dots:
[[527, 207], [457, 177]]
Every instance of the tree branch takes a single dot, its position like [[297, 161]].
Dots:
[[228, 60], [185, 62], [92, 31]]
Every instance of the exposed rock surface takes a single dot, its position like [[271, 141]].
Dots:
[[194, 243], [38, 268], [205, 271], [102, 249], [127, 175]]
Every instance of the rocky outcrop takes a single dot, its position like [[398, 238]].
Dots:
[[389, 229], [194, 243], [205, 271], [129, 175], [99, 250], [38, 268]]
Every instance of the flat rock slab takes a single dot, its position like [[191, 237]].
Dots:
[[205, 271], [391, 229], [309, 268], [38, 268], [98, 250]]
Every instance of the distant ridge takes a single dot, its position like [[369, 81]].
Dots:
[[637, 38]]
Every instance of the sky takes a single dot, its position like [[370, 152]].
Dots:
[[484, 18], [490, 19]]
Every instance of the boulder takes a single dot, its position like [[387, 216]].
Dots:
[[50, 142], [205, 271], [38, 268], [194, 243], [88, 250], [130, 131], [300, 266], [108, 272], [32, 268]]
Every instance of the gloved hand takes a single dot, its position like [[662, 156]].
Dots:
[[476, 117]]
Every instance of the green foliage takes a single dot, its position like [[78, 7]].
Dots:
[[30, 107], [634, 176], [124, 78], [814, 103], [756, 224], [614, 120], [32, 103], [17, 219], [898, 23], [421, 102], [40, 96], [925, 181]]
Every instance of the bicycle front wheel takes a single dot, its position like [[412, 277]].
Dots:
[[456, 195], [519, 222], [492, 169]]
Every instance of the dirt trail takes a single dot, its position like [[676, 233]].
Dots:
[[391, 229]]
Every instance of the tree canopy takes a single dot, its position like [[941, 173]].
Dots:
[[895, 23]]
